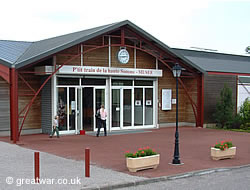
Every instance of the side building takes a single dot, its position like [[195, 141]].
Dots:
[[221, 69]]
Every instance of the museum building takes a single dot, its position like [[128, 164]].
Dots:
[[118, 65]]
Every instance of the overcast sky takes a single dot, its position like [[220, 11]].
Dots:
[[223, 25]]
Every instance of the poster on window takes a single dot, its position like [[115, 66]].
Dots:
[[148, 103], [166, 99], [73, 105], [137, 102]]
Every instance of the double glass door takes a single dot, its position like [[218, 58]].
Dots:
[[66, 108], [77, 107], [132, 107], [121, 108]]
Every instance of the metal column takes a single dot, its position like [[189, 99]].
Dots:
[[14, 121]]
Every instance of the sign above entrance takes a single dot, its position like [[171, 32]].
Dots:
[[109, 71]]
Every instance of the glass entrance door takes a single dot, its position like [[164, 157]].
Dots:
[[127, 107], [99, 100], [79, 115], [138, 115], [132, 107], [144, 106], [122, 108], [62, 106], [67, 109], [116, 107], [87, 108], [89, 100]]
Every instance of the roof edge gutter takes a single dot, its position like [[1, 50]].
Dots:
[[227, 73]]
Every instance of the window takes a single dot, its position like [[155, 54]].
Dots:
[[143, 83], [121, 82], [67, 81], [92, 81]]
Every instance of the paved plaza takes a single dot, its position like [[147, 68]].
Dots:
[[64, 157]]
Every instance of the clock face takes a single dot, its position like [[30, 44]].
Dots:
[[123, 56]]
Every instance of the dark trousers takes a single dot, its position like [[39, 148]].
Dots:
[[55, 129], [101, 123]]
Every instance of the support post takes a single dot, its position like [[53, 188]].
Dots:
[[37, 166], [14, 121], [200, 101], [87, 162]]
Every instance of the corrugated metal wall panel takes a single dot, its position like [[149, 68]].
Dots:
[[4, 106], [213, 85], [46, 108]]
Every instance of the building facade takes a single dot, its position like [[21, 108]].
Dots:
[[118, 65]]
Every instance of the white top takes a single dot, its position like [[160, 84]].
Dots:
[[55, 123], [103, 114]]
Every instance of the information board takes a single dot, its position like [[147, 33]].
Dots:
[[166, 99]]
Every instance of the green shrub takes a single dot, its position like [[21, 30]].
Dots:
[[235, 123], [245, 114], [224, 108]]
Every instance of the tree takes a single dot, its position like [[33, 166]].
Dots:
[[245, 114], [224, 108], [247, 49]]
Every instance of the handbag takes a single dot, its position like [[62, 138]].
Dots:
[[98, 114]]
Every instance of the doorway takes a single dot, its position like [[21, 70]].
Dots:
[[87, 109], [77, 107], [89, 100], [132, 107], [66, 108], [122, 108]]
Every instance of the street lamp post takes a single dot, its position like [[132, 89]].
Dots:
[[177, 73]]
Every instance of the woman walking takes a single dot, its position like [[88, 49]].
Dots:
[[55, 127], [101, 120]]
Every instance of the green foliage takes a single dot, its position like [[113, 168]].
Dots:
[[245, 114], [241, 130], [247, 49], [224, 145], [224, 108], [236, 122], [142, 152]]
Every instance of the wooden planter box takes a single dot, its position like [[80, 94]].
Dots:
[[218, 154], [141, 163]]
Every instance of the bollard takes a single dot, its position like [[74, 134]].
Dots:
[[87, 162], [37, 167]]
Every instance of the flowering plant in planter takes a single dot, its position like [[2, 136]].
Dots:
[[223, 145], [142, 152], [144, 158], [223, 150]]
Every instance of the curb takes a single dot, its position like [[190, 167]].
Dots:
[[164, 178]]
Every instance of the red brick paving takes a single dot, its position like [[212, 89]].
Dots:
[[108, 152]]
